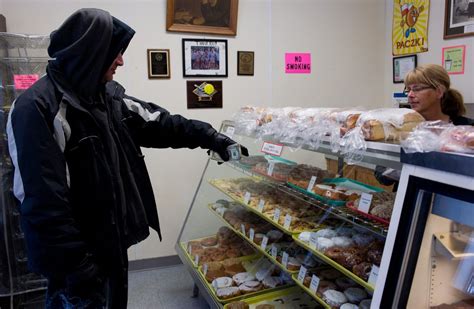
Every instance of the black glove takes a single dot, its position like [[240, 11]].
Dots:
[[220, 144], [85, 280], [386, 176]]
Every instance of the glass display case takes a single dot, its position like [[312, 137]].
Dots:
[[288, 218], [431, 235], [23, 59]]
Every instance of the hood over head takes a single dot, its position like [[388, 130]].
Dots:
[[85, 46]]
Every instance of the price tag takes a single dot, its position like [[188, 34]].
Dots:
[[247, 197], [260, 205], [311, 183], [374, 273], [313, 240], [251, 234], [287, 222], [274, 251], [364, 202], [271, 165], [313, 286], [230, 131], [302, 274], [272, 149], [284, 259], [204, 269], [264, 242], [196, 259], [242, 229], [276, 215]]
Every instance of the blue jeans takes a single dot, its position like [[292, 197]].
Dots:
[[59, 299]]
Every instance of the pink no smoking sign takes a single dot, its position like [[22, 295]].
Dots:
[[297, 63]]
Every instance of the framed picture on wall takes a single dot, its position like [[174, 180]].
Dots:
[[207, 58], [202, 16], [245, 60], [401, 66], [458, 18], [158, 63]]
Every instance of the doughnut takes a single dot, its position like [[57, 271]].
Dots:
[[334, 298], [355, 295]]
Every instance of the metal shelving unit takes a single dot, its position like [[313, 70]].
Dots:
[[19, 55]]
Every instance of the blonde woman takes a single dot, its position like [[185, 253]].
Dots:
[[429, 93]]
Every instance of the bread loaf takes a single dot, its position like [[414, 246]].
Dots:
[[388, 123]]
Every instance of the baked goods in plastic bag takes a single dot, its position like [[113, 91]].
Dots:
[[458, 139], [388, 123], [425, 137]]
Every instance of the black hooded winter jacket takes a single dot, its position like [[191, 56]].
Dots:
[[75, 143]]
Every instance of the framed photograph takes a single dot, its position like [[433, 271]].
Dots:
[[245, 61], [401, 66], [202, 16], [204, 93], [207, 58], [158, 63], [458, 18]]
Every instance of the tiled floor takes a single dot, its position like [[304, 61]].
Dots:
[[166, 288]]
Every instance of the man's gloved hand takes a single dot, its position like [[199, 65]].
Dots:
[[220, 144], [85, 280], [386, 176]]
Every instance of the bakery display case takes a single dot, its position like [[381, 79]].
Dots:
[[290, 217], [429, 255]]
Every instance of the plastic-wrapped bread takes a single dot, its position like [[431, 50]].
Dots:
[[388, 123], [458, 139], [346, 119]]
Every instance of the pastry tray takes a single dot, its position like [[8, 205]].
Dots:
[[255, 245], [346, 182], [258, 213], [275, 160], [256, 300], [318, 197], [184, 247], [246, 262], [334, 264], [352, 207]]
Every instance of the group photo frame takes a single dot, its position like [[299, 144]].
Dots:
[[203, 16], [458, 18], [158, 63], [204, 58]]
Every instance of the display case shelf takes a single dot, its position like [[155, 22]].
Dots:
[[199, 281], [256, 246], [334, 264], [343, 213]]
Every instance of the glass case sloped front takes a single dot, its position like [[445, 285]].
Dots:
[[297, 218]]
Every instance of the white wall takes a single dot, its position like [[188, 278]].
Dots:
[[464, 82], [345, 38]]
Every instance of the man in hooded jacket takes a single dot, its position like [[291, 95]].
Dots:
[[74, 139]]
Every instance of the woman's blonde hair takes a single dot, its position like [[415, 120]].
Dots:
[[452, 103]]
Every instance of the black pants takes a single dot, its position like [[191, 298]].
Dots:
[[113, 294]]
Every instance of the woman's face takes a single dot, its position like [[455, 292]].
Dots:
[[424, 98]]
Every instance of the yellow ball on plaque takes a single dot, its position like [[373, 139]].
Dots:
[[209, 89]]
